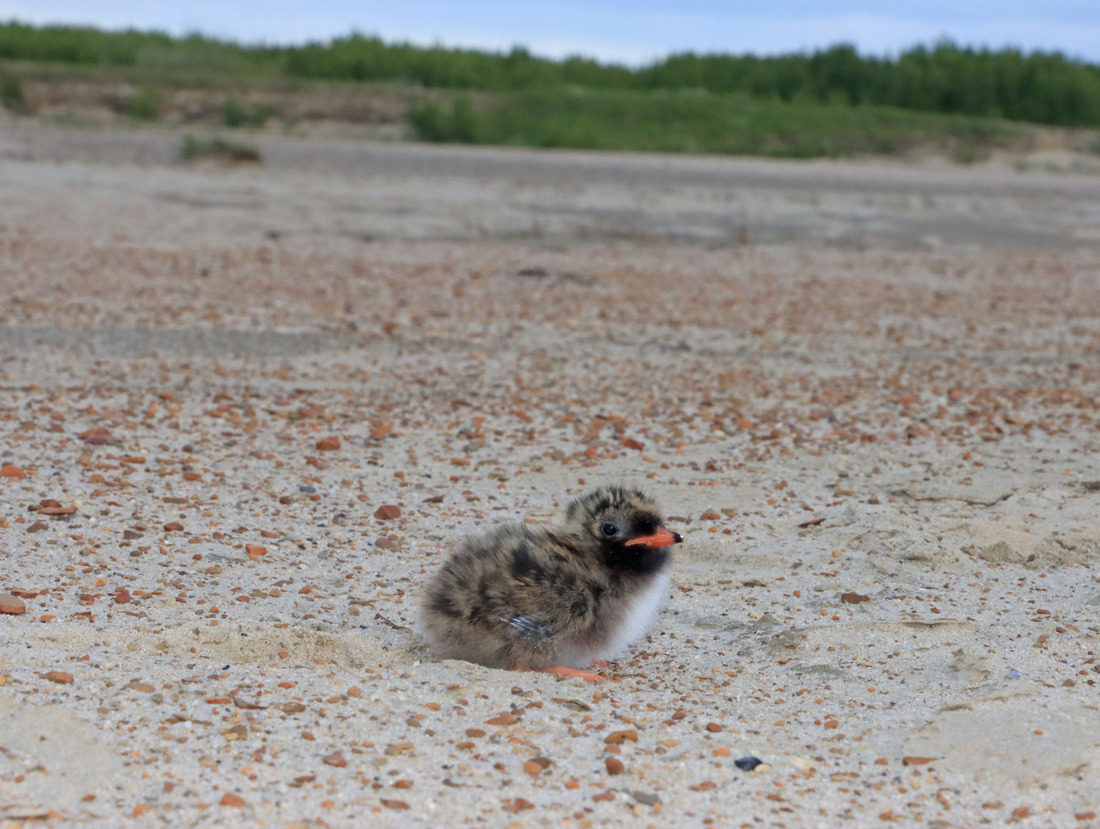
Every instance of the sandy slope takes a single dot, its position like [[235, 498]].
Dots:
[[867, 395]]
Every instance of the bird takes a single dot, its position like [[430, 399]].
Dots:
[[557, 598]]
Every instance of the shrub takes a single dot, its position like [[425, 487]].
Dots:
[[235, 115], [144, 105], [194, 149], [11, 93]]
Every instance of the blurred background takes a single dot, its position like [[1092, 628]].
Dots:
[[795, 79]]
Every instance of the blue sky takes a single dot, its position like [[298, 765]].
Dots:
[[629, 31]]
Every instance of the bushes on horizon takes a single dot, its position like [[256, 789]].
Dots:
[[1040, 87]]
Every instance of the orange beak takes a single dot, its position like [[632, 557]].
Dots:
[[661, 538]]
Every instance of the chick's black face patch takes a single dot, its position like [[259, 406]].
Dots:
[[643, 560]]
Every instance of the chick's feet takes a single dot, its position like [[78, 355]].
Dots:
[[562, 673]]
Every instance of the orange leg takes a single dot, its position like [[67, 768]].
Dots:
[[562, 673]]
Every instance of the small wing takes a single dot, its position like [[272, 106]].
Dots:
[[530, 628]]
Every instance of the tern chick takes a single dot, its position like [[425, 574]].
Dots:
[[554, 599]]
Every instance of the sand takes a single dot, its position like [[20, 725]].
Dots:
[[866, 393]]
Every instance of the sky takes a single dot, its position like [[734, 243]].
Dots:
[[625, 31]]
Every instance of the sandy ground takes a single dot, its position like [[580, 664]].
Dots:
[[867, 394]]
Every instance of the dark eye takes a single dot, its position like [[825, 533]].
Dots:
[[609, 529]]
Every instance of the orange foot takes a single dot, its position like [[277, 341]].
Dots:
[[561, 673]]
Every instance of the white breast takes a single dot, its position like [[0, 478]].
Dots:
[[630, 627]]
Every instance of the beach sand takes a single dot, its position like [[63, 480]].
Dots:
[[866, 393]]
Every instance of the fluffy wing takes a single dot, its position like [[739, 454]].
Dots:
[[530, 628]]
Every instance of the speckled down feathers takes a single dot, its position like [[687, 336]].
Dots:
[[522, 596]]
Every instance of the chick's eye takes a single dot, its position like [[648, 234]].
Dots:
[[609, 529]]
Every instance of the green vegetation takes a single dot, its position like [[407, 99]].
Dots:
[[194, 149], [11, 93], [1045, 88], [235, 115], [699, 122], [144, 105], [829, 102]]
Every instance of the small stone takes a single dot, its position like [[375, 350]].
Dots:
[[11, 471], [329, 444], [59, 677], [618, 737], [646, 798], [394, 804], [174, 526], [387, 512], [12, 605], [503, 719], [335, 759], [234, 800], [854, 598], [917, 761], [97, 437], [236, 732], [709, 515], [517, 805], [714, 727], [255, 551], [747, 763], [536, 766], [614, 765], [122, 596]]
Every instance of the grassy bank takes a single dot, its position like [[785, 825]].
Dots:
[[700, 122], [832, 102]]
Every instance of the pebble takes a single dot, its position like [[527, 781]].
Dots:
[[234, 800], [618, 737], [97, 437], [536, 766], [614, 765], [58, 676], [329, 444], [12, 605], [11, 471], [747, 763], [335, 759], [917, 761], [387, 512]]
